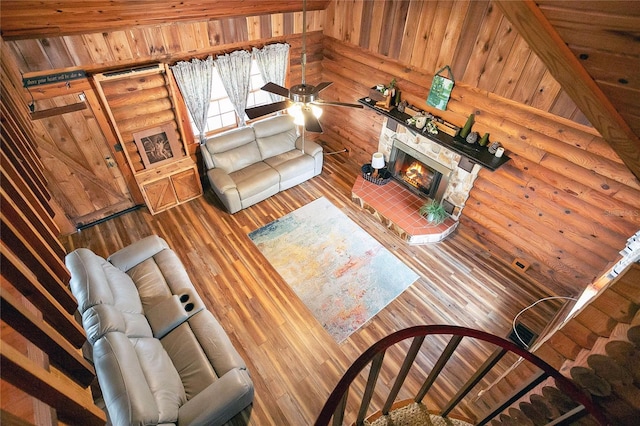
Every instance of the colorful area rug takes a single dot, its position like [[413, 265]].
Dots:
[[341, 273]]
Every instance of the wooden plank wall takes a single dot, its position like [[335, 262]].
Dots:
[[44, 376], [159, 43], [473, 38], [565, 202]]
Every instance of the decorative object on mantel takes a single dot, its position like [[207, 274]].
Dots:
[[434, 212], [440, 91], [430, 128], [467, 127], [386, 97], [484, 140], [472, 137], [448, 136], [493, 148]]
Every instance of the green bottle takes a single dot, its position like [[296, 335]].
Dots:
[[467, 127], [484, 139]]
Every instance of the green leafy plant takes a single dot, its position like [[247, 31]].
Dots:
[[433, 211]]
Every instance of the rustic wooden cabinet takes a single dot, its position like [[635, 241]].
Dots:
[[169, 185], [141, 104]]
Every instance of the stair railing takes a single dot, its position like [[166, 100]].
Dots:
[[335, 406]]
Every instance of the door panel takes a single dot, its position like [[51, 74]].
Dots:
[[82, 173]]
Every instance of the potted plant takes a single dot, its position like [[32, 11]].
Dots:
[[433, 211]]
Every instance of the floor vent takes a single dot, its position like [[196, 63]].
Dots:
[[524, 337]]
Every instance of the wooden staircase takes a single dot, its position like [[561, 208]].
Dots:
[[577, 406], [590, 374]]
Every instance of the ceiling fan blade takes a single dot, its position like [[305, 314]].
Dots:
[[261, 110], [342, 104], [274, 88], [311, 123], [322, 86]]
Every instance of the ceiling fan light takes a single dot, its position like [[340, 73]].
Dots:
[[295, 111], [317, 111]]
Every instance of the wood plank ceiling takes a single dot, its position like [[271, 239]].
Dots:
[[591, 47]]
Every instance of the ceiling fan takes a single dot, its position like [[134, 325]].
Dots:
[[302, 99]]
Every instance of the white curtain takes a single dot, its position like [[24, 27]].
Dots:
[[235, 70], [272, 61], [194, 80]]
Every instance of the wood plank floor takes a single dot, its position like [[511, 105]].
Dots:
[[294, 363]]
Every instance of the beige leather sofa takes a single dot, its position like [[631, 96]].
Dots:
[[160, 356], [249, 164]]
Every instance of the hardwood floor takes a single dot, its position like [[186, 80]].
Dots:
[[294, 363]]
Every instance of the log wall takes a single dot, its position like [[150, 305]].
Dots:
[[598, 347], [565, 202], [44, 376]]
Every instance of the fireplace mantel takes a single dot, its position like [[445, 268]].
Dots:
[[475, 153]]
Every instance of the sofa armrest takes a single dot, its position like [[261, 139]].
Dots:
[[221, 181], [310, 147], [220, 401], [130, 256], [225, 188]]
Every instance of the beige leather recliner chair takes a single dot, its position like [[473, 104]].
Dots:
[[159, 355]]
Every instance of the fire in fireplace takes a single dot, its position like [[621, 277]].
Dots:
[[418, 175], [421, 174]]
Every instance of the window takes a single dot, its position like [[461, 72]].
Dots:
[[221, 114]]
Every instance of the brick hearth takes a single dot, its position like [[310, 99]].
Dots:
[[397, 208]]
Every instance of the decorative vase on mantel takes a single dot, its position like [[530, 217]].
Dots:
[[467, 127]]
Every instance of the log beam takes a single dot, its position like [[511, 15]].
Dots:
[[543, 39]]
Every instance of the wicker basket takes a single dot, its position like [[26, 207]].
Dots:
[[384, 175]]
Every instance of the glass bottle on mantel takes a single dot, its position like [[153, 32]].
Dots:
[[467, 127]]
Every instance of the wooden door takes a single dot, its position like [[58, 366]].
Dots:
[[84, 172]]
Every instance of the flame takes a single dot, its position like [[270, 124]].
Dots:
[[418, 175]]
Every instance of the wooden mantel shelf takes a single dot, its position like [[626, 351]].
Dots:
[[476, 153]]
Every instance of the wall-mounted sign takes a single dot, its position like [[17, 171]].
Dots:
[[53, 78], [441, 89]]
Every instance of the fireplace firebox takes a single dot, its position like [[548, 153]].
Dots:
[[419, 173]]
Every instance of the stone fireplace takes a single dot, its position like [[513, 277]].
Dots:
[[456, 174], [421, 169]]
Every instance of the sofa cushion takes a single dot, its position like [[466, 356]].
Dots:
[[275, 135], [101, 319], [95, 281], [162, 378], [216, 344], [187, 356], [234, 150], [139, 251], [138, 381], [255, 179]]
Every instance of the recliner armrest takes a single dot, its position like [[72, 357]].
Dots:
[[221, 180], [136, 253], [310, 147], [218, 402]]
